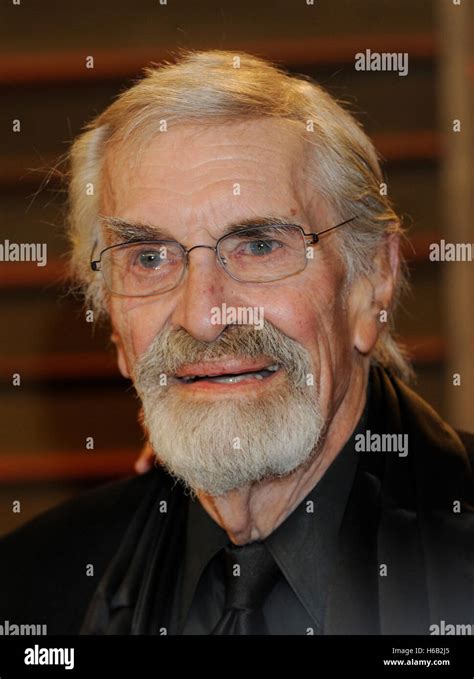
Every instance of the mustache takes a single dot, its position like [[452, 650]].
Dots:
[[172, 349]]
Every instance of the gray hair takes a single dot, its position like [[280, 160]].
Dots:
[[219, 86]]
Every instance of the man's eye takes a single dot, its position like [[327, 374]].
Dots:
[[261, 247], [150, 259]]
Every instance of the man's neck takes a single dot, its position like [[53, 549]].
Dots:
[[253, 512]]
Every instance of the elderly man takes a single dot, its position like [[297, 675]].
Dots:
[[250, 266]]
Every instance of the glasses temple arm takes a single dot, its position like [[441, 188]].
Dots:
[[319, 233]]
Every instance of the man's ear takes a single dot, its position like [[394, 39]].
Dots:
[[121, 358], [371, 297]]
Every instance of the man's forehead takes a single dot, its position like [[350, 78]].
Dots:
[[187, 149], [240, 167]]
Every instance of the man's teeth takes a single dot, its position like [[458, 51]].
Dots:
[[234, 378]]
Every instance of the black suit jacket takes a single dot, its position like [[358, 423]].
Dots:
[[406, 555]]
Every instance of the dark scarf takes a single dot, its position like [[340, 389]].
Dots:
[[406, 559]]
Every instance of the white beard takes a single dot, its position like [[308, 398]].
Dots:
[[219, 445]]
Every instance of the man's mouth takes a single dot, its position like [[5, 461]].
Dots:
[[229, 373], [233, 378]]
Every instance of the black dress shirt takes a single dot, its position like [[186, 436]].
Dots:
[[303, 546]]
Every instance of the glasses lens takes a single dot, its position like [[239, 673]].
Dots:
[[142, 269], [264, 253]]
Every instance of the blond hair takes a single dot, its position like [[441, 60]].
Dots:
[[207, 87]]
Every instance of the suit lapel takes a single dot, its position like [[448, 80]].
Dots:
[[397, 538]]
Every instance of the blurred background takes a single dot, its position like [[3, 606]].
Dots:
[[70, 389]]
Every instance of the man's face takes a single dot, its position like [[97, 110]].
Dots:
[[193, 182]]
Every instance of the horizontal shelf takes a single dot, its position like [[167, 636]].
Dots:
[[416, 249], [410, 146], [60, 366], [45, 466], [21, 275], [425, 350], [414, 145], [36, 68]]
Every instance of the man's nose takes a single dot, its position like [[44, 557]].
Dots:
[[205, 287]]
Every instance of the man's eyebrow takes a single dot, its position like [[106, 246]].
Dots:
[[256, 221], [131, 231]]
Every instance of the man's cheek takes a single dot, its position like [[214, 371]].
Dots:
[[133, 330], [127, 339]]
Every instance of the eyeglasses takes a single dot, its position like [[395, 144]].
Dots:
[[254, 254]]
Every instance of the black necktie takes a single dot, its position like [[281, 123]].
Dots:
[[251, 573]]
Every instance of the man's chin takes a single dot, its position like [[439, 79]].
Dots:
[[219, 463], [232, 442], [217, 487]]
